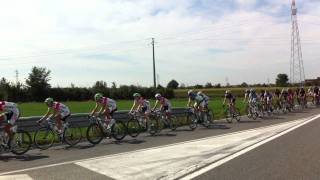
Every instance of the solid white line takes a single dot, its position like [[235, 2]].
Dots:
[[16, 177], [245, 150], [158, 147]]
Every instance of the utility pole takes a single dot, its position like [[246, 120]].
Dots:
[[17, 76], [154, 65]]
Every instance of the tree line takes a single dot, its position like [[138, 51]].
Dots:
[[37, 87]]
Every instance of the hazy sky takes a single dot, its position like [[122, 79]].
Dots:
[[197, 41]]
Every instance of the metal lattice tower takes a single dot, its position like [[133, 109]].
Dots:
[[296, 63]]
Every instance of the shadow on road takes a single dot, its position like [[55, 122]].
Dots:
[[28, 157]]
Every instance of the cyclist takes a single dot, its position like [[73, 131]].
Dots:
[[277, 94], [290, 97], [10, 114], [268, 101], [206, 99], [302, 96], [231, 100], [246, 95], [56, 110], [141, 105], [107, 108], [199, 101], [316, 94], [165, 105]]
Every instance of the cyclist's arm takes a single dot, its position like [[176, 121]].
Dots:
[[103, 109], [189, 102], [224, 101], [134, 106], [94, 109], [46, 115], [155, 105]]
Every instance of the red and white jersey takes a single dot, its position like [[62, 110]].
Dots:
[[164, 102], [8, 106], [109, 102], [61, 108], [142, 102]]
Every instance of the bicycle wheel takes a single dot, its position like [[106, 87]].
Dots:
[[133, 128], [153, 126], [44, 138], [20, 143], [95, 133], [210, 117], [237, 115], [72, 136], [118, 130], [173, 121], [192, 119], [228, 116]]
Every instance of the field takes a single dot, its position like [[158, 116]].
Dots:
[[38, 109]]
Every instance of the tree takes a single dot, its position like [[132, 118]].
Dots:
[[244, 84], [173, 84], [208, 85], [282, 80], [38, 83]]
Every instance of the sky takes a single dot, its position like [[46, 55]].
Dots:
[[196, 41]]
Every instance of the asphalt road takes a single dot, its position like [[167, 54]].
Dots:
[[291, 156]]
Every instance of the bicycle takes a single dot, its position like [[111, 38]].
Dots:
[[96, 131], [162, 121], [253, 111], [137, 123], [231, 114], [47, 134], [19, 143], [195, 117]]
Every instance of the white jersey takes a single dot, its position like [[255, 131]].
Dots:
[[112, 105]]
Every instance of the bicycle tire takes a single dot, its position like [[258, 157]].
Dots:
[[46, 141], [72, 136], [119, 130], [25, 136], [153, 126], [173, 123], [133, 128], [97, 131]]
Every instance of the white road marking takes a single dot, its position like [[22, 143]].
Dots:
[[178, 160], [243, 151], [16, 177]]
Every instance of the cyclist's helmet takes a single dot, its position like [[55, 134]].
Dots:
[[49, 101], [98, 97], [191, 93], [158, 96], [136, 95]]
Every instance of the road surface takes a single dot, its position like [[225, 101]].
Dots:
[[282, 147]]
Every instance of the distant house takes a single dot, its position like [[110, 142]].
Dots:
[[313, 82]]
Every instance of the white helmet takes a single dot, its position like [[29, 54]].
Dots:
[[157, 96]]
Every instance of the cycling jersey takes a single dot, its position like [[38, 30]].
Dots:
[[112, 105], [302, 92], [230, 97], [267, 96], [62, 109], [12, 111], [166, 105], [253, 97], [145, 105]]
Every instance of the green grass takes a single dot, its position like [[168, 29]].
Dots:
[[38, 109]]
